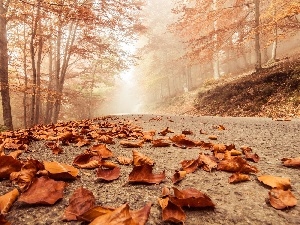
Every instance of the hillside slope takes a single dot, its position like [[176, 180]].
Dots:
[[271, 92]]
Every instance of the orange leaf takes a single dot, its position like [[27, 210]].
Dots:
[[143, 174], [140, 159], [119, 216], [172, 212], [212, 137], [140, 216], [16, 154], [8, 165], [7, 200], [191, 197], [160, 143], [131, 144], [178, 176], [61, 171], [3, 221], [207, 162], [43, 191], [87, 161], [182, 141], [80, 202], [238, 177], [164, 132], [108, 174], [189, 166], [276, 182], [124, 160], [281, 199], [291, 162], [95, 212], [101, 150], [236, 164], [249, 155]]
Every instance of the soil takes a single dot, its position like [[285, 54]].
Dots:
[[241, 203]]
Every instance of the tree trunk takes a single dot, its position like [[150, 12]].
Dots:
[[25, 80], [257, 36], [49, 104], [6, 107], [274, 46], [216, 64]]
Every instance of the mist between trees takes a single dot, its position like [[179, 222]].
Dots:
[[60, 59]]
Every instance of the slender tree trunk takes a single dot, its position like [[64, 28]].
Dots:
[[49, 104], [274, 46], [216, 64], [25, 80], [257, 36], [6, 107]]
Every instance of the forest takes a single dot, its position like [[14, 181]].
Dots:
[[65, 60]]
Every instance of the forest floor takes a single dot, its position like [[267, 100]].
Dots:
[[272, 92]]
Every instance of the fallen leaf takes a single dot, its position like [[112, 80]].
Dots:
[[124, 160], [191, 197], [131, 144], [80, 202], [275, 182], [8, 165], [140, 159], [238, 177], [61, 171], [7, 200], [182, 141], [160, 143], [236, 164], [141, 216], [3, 221], [108, 164], [187, 132], [291, 162], [219, 148], [207, 162], [212, 137], [119, 216], [95, 212], [143, 174], [165, 191], [43, 190], [178, 176], [16, 154], [164, 132], [189, 166], [171, 212], [108, 174], [249, 155], [281, 199], [87, 161], [106, 139], [101, 150]]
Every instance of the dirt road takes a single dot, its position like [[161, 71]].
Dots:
[[242, 203]]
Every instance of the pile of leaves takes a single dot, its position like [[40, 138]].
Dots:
[[43, 182]]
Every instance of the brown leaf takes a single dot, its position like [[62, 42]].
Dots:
[[164, 132], [119, 216], [212, 137], [3, 221], [187, 132], [182, 141], [108, 174], [160, 143], [165, 191], [87, 161], [191, 197], [108, 164], [189, 166], [220, 127], [207, 162], [140, 159], [249, 155], [291, 162], [178, 176], [106, 139], [171, 212], [8, 165], [101, 150], [61, 171], [124, 160], [238, 177], [141, 216], [95, 212], [16, 154], [82, 142], [236, 164], [80, 202], [7, 200], [143, 174], [281, 199], [275, 182], [43, 191], [219, 147], [131, 144]]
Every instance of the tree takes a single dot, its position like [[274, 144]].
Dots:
[[6, 107]]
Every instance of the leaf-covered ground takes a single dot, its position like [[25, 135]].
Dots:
[[272, 92], [211, 170]]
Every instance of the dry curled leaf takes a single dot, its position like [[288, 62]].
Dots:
[[238, 177], [291, 162], [182, 141], [207, 162], [101, 150], [132, 144], [281, 199], [236, 164], [61, 171], [108, 174], [249, 155], [160, 143], [124, 160], [178, 176], [43, 190], [8, 165], [143, 174], [80, 202], [16, 154], [87, 161], [140, 159], [171, 212], [275, 182], [189, 166], [212, 137], [7, 200]]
